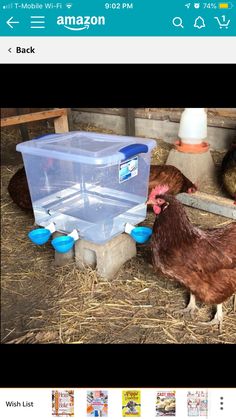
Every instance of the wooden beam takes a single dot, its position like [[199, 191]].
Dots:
[[106, 111], [223, 112], [61, 124], [130, 122], [219, 119], [210, 203], [23, 128], [32, 117], [70, 119]]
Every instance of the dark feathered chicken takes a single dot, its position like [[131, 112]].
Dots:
[[204, 261], [18, 186], [228, 169], [19, 190], [167, 175]]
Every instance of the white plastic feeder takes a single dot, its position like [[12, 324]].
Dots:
[[128, 228], [51, 227], [193, 131], [191, 154]]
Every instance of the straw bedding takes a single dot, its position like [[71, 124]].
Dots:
[[41, 303]]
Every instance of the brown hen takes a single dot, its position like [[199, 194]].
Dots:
[[19, 191], [228, 170], [204, 261], [169, 176]]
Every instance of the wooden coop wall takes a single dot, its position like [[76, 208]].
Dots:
[[23, 124], [7, 112], [162, 123]]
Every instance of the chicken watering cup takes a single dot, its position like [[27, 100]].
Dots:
[[40, 236], [139, 234], [64, 244]]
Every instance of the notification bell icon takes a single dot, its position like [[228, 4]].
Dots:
[[199, 23]]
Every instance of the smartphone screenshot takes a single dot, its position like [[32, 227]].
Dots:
[[118, 209], [150, 31]]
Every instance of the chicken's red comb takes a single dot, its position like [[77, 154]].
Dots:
[[159, 190]]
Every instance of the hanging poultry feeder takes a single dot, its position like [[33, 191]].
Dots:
[[192, 154], [192, 131], [191, 148]]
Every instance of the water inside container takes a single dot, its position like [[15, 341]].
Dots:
[[94, 208], [98, 206]]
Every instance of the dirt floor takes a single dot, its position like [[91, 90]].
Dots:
[[41, 303]]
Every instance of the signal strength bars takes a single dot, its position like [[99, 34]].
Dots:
[[38, 23], [8, 6]]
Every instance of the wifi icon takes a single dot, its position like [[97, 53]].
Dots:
[[69, 5]]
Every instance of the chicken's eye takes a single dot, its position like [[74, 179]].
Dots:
[[160, 201]]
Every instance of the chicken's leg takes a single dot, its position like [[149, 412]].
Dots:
[[218, 318], [191, 307]]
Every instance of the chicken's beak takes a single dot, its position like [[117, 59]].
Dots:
[[150, 202]]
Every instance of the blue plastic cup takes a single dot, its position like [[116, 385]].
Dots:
[[63, 244], [141, 234], [39, 236]]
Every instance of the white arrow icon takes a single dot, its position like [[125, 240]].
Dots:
[[10, 21]]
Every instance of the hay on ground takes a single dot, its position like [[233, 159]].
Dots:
[[42, 303]]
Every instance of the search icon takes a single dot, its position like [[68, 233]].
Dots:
[[177, 21]]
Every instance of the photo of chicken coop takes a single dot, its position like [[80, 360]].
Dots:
[[77, 184]]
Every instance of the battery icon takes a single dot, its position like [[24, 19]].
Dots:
[[225, 5]]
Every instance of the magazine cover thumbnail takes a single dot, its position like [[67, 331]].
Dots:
[[63, 403], [131, 403], [97, 403], [197, 403], [165, 403]]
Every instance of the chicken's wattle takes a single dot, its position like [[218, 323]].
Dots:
[[156, 209]]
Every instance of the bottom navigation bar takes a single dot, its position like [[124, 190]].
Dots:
[[116, 403]]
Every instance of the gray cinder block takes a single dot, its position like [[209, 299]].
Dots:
[[196, 167], [107, 258]]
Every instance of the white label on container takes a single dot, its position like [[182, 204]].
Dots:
[[128, 169]]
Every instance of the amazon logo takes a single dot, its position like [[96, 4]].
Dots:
[[79, 23]]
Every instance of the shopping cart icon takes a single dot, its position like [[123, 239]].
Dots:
[[223, 23]]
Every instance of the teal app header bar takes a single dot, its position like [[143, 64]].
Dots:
[[111, 18]]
